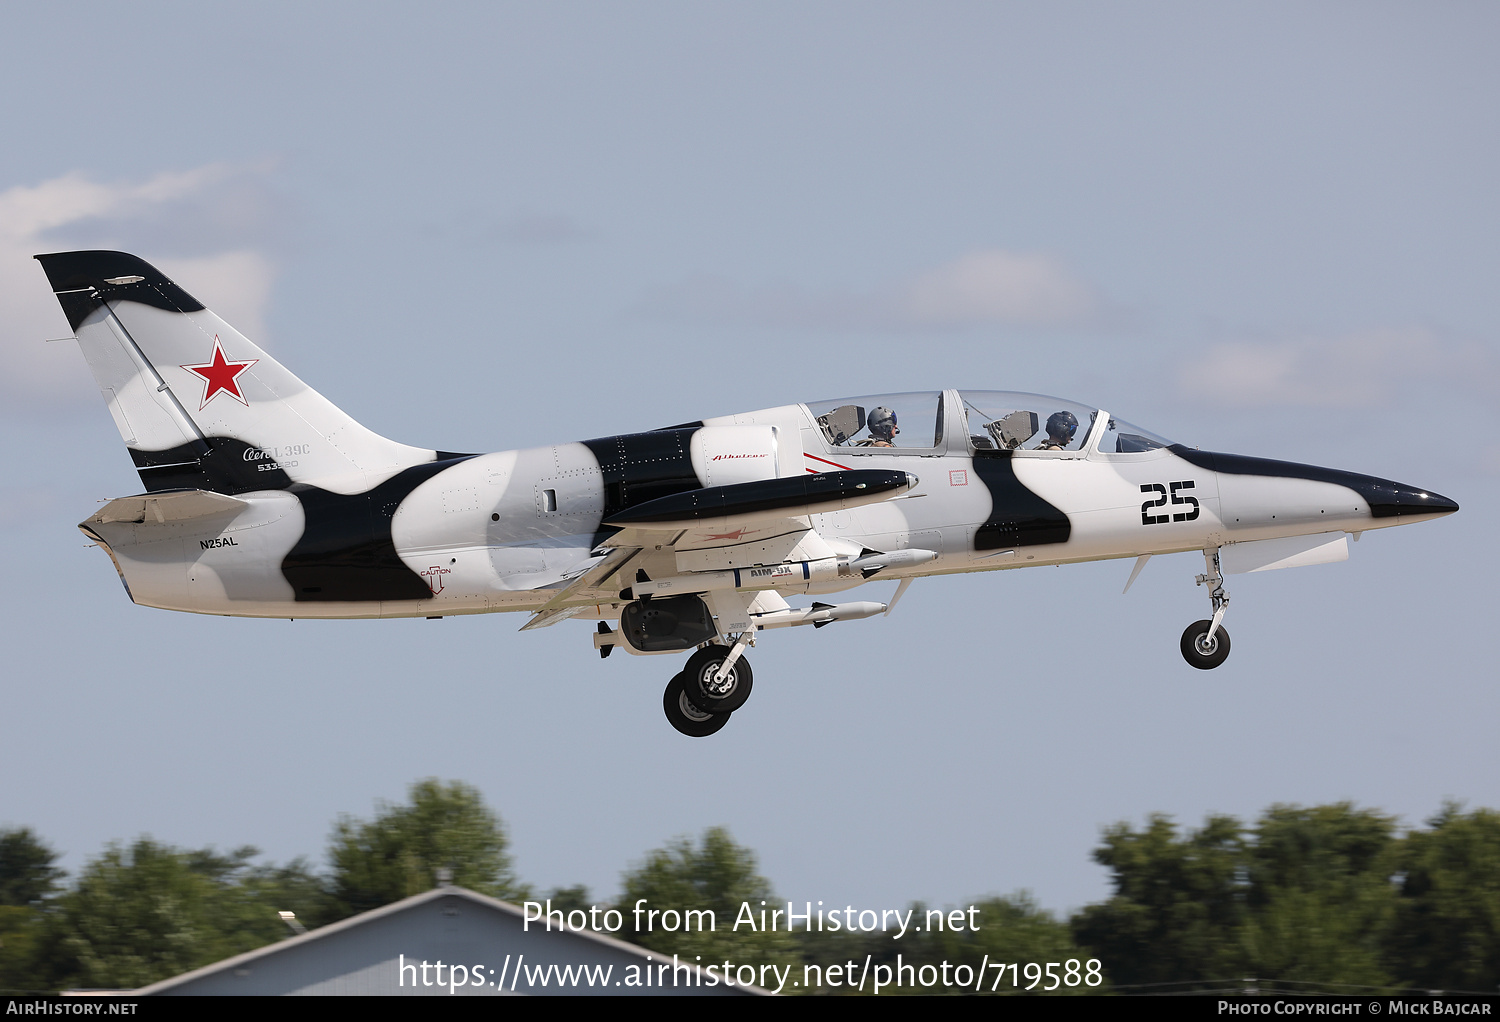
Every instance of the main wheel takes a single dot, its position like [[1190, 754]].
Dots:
[[1201, 651], [701, 690], [686, 717]]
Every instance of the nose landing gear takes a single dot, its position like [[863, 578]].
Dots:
[[1205, 645]]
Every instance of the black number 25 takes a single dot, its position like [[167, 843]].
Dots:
[[1147, 518]]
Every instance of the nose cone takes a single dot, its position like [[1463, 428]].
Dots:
[[1397, 500], [1385, 498]]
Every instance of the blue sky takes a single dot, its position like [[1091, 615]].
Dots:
[[1268, 229]]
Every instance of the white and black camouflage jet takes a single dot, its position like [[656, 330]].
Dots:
[[262, 499]]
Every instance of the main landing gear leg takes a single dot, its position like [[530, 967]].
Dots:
[[746, 638], [1205, 644]]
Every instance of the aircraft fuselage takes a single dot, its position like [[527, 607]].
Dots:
[[500, 532]]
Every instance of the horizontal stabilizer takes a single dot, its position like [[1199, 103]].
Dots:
[[167, 506]]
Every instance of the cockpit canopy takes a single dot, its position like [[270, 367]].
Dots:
[[996, 421]]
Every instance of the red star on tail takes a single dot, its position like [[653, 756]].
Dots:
[[220, 374]]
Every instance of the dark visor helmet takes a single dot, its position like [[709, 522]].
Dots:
[[1061, 426], [882, 423]]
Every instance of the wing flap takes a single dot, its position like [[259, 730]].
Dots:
[[596, 575], [544, 618]]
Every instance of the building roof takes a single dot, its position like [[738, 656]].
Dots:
[[451, 941]]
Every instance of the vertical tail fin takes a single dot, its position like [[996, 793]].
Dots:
[[197, 403]]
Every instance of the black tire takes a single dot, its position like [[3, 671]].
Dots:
[[700, 670], [686, 717], [1194, 653]]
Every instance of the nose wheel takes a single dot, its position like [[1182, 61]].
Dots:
[[1203, 650], [1205, 644]]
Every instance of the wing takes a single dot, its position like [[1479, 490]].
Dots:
[[764, 522], [717, 528]]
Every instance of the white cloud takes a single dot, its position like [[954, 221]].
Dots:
[[1347, 371], [994, 286], [987, 287], [204, 214]]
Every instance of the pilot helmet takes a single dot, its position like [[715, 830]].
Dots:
[[882, 423], [1061, 426]]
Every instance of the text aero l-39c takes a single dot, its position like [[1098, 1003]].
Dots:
[[262, 499]]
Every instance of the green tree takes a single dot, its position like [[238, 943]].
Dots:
[[1177, 902], [1304, 896], [398, 853], [27, 880], [718, 876], [569, 899], [150, 911], [1447, 935], [20, 927], [27, 875], [1320, 898]]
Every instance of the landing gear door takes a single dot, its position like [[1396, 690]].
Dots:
[[731, 611]]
